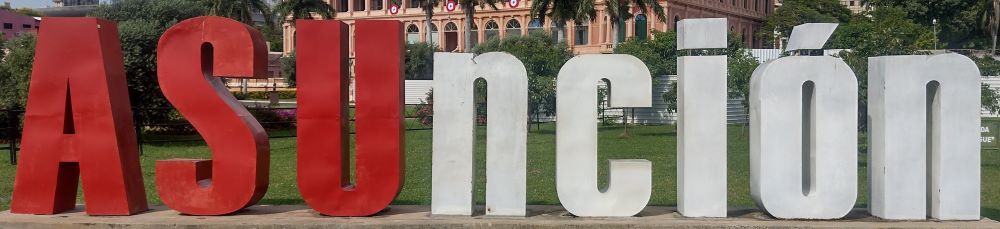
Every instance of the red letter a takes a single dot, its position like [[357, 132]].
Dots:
[[78, 124], [324, 175]]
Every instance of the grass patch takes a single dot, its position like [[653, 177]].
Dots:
[[654, 143]]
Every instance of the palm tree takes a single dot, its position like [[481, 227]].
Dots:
[[428, 7], [241, 10], [991, 20], [561, 11], [469, 8], [303, 9], [618, 12]]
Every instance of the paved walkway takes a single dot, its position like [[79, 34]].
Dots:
[[298, 216]]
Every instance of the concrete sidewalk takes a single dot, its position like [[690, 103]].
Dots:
[[298, 216]]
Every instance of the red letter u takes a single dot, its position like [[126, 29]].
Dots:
[[323, 78]]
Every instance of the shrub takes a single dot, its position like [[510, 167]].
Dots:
[[263, 95]]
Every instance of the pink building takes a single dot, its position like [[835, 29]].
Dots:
[[15, 24]]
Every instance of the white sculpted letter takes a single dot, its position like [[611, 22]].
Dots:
[[506, 130], [803, 141], [630, 181], [701, 120], [924, 137]]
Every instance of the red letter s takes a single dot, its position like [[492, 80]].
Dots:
[[189, 55]]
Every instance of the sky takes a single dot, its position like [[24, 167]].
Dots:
[[31, 3]]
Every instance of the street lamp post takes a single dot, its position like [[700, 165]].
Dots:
[[934, 28]]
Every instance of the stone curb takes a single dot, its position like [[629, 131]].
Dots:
[[410, 216]]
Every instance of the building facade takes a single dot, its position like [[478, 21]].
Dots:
[[513, 18], [856, 6], [15, 24]]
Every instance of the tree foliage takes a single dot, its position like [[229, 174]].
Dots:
[[140, 23], [241, 10], [542, 58], [960, 22], [660, 56], [561, 11], [15, 71], [884, 31], [288, 68], [419, 61], [303, 9], [797, 12]]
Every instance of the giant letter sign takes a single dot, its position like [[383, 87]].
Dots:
[[803, 141], [78, 124], [324, 170], [630, 181], [924, 128], [701, 120], [189, 55], [454, 134]]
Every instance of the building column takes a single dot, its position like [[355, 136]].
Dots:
[[502, 26]]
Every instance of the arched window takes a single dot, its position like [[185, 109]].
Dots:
[[450, 37], [434, 34], [580, 33], [535, 26], [640, 27], [492, 30], [513, 28], [412, 34]]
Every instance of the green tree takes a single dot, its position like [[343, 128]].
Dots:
[[797, 12], [542, 58], [140, 24], [562, 11], [419, 61], [303, 9], [660, 56], [960, 23], [244, 11], [884, 31], [288, 68], [620, 11], [241, 10], [469, 9], [15, 71]]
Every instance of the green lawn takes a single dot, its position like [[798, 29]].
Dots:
[[654, 143]]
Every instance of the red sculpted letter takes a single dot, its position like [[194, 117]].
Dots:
[[189, 55], [324, 175], [78, 124]]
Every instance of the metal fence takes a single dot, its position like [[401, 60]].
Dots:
[[154, 132]]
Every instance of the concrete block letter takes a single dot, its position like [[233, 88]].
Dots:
[[924, 152], [803, 140], [78, 125], [453, 166], [630, 181], [701, 121], [189, 56], [324, 174]]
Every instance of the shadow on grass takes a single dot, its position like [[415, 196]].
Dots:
[[991, 213]]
